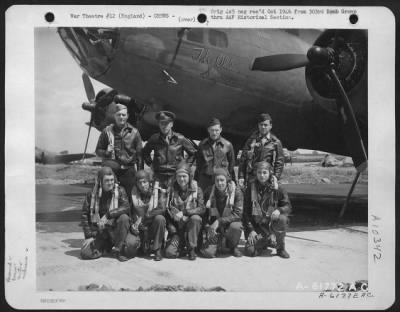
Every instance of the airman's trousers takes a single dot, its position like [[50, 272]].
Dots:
[[182, 234], [264, 231], [153, 230], [117, 235], [230, 233]]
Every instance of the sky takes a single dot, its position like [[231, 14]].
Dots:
[[59, 94]]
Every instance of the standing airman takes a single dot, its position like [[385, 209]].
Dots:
[[120, 147], [168, 147], [214, 152], [261, 146]]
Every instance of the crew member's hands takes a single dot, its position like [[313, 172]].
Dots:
[[275, 215], [135, 228], [185, 218], [110, 148], [252, 239], [178, 216], [215, 225], [101, 224], [211, 232]]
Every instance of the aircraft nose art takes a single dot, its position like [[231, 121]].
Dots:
[[92, 48]]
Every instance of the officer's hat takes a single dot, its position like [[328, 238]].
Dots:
[[165, 116]]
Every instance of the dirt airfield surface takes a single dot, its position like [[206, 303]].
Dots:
[[323, 251]]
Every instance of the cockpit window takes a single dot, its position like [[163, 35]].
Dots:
[[92, 48], [67, 37], [218, 38], [195, 34]]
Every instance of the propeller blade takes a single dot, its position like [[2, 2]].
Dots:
[[351, 129], [279, 62], [87, 138], [88, 87]]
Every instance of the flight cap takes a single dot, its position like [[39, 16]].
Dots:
[[120, 107], [214, 122]]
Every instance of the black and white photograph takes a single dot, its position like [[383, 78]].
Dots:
[[203, 160]]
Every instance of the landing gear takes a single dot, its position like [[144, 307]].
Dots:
[[342, 211]]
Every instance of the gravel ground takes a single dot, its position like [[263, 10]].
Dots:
[[298, 173]]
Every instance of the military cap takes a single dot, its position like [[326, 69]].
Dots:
[[263, 165], [263, 117], [183, 168], [214, 122], [142, 175], [221, 171], [120, 107], [165, 116]]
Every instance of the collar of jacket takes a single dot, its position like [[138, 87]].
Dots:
[[191, 188], [219, 141], [173, 136], [264, 189], [127, 128], [269, 136]]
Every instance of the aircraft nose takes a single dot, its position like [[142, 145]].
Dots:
[[92, 48]]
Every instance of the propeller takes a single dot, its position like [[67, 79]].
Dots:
[[97, 106], [325, 60], [91, 98], [279, 62]]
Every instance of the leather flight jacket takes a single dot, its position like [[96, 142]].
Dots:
[[167, 155], [128, 152], [209, 159], [255, 151]]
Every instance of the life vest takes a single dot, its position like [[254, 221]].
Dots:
[[95, 201], [262, 207], [127, 138], [141, 206], [230, 200], [176, 204]]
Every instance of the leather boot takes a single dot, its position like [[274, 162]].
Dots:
[[280, 245], [236, 252], [192, 254], [282, 253], [157, 255], [121, 254]]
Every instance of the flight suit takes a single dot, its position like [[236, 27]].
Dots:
[[184, 233], [227, 208], [211, 155], [148, 211], [127, 152], [259, 203], [116, 232], [168, 153], [261, 148]]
